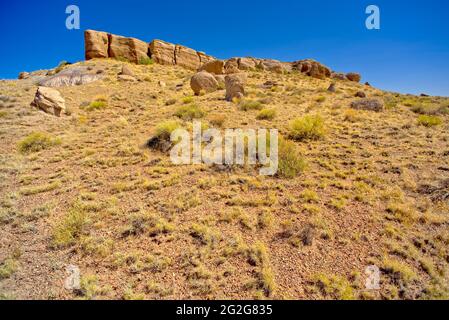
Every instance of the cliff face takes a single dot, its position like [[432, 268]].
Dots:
[[103, 45]]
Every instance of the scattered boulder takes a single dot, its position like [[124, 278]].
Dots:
[[130, 49], [49, 100], [125, 77], [355, 77], [24, 75], [235, 86], [367, 84], [203, 81], [214, 66], [269, 84], [126, 71], [74, 76], [162, 84], [163, 52], [338, 76], [312, 68], [96, 44], [332, 88], [424, 95], [187, 58], [360, 94], [368, 104]]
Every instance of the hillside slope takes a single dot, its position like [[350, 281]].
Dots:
[[374, 192]]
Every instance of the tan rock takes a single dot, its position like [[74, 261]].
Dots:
[[187, 58], [126, 70], [355, 77], [163, 52], [24, 75], [231, 66], [49, 100], [221, 80], [368, 104], [203, 81], [247, 64], [204, 58], [125, 77], [129, 49], [272, 65], [235, 86], [96, 44], [214, 66], [312, 68]]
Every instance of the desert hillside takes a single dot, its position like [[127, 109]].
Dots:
[[363, 180]]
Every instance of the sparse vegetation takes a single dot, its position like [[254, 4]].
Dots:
[[37, 141], [307, 128], [291, 162], [429, 121], [266, 114], [190, 112]]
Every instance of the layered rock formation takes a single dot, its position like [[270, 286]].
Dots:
[[104, 45]]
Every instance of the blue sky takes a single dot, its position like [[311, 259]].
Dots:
[[410, 54]]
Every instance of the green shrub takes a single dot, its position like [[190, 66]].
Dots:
[[247, 105], [146, 61], [187, 100], [97, 105], [69, 230], [266, 114], [307, 128], [429, 121], [291, 162], [190, 112], [37, 141], [7, 268], [165, 129]]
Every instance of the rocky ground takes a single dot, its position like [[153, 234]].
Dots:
[[84, 190]]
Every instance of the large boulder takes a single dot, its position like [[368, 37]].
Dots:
[[203, 82], [272, 65], [187, 58], [247, 63], [312, 68], [96, 44], [235, 86], [163, 52], [129, 49], [355, 77], [232, 66], [368, 104], [338, 76], [49, 100], [73, 76], [214, 66]]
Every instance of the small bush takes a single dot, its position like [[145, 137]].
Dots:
[[190, 112], [291, 163], [187, 100], [146, 61], [165, 129], [321, 99], [97, 104], [266, 114], [3, 114], [307, 128], [69, 230], [37, 141], [247, 105], [429, 121], [7, 268]]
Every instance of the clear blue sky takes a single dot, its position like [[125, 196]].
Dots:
[[410, 53]]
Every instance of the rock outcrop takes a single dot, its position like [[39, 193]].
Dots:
[[203, 82], [74, 76], [312, 68], [96, 44], [128, 49], [49, 100], [103, 45], [163, 52], [187, 58], [214, 66]]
